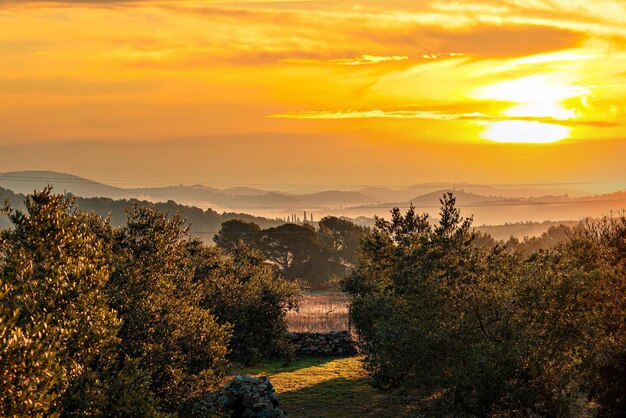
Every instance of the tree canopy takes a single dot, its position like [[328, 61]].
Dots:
[[494, 331], [138, 320]]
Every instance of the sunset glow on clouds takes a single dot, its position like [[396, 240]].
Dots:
[[417, 78]]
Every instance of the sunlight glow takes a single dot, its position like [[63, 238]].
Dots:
[[536, 96], [516, 131]]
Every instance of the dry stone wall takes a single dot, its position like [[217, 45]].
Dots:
[[243, 397], [315, 343], [252, 397]]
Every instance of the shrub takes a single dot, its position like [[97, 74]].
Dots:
[[495, 332], [97, 321], [598, 250], [242, 290], [165, 327], [57, 333]]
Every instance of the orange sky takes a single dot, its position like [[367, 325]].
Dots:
[[275, 93]]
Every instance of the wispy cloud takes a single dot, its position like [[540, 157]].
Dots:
[[361, 60], [477, 117]]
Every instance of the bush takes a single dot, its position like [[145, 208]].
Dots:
[[57, 333], [244, 291], [165, 327], [97, 321], [494, 332]]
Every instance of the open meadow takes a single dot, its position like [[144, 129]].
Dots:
[[320, 312]]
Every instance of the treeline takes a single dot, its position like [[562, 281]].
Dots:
[[548, 240], [521, 229], [315, 255], [203, 223], [493, 332], [138, 320], [299, 251]]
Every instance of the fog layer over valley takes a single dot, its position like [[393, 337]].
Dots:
[[490, 205]]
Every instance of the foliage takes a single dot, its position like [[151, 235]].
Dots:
[[236, 232], [289, 246], [598, 250], [240, 289], [497, 332], [99, 321], [549, 240], [298, 251], [165, 327], [341, 239], [57, 333]]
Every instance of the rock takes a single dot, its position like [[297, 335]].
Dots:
[[250, 397]]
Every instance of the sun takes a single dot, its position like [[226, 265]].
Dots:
[[517, 131], [538, 108]]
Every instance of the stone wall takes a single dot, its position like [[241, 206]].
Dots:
[[333, 343], [243, 397]]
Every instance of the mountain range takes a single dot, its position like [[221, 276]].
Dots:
[[488, 204]]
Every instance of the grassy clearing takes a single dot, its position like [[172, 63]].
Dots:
[[333, 387], [320, 312]]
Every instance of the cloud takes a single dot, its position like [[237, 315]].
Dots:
[[322, 29], [361, 60], [477, 117], [144, 58]]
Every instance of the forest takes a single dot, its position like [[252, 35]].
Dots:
[[143, 319], [202, 223]]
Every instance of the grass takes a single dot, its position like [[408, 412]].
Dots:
[[320, 312], [333, 387]]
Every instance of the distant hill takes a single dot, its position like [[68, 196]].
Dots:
[[501, 218], [490, 205], [27, 181], [462, 198], [382, 194], [499, 210], [333, 198], [204, 223], [521, 230], [244, 191]]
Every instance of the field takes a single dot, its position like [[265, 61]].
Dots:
[[320, 312], [335, 387]]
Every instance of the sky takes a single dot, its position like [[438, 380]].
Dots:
[[335, 94]]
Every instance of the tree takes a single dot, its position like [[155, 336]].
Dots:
[[289, 247], [236, 232], [341, 239], [57, 334], [495, 332], [165, 326], [597, 249], [242, 290]]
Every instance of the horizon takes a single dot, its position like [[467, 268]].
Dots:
[[584, 188], [486, 204]]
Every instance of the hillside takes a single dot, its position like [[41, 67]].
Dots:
[[489, 204], [204, 223], [26, 181], [498, 210]]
